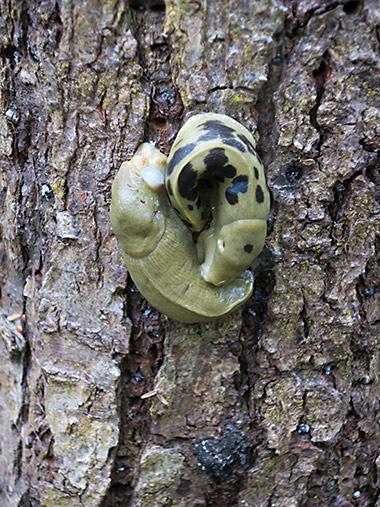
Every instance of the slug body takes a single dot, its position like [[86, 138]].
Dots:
[[215, 173], [215, 185]]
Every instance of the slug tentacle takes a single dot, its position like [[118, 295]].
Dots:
[[216, 186]]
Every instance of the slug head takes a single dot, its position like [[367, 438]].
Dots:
[[137, 216], [231, 250]]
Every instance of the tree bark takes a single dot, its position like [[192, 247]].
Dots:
[[276, 404]]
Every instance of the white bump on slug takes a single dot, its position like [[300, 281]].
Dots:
[[153, 178]]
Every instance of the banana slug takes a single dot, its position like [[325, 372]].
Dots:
[[211, 184]]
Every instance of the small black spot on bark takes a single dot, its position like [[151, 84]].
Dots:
[[321, 72], [340, 187], [259, 194], [159, 123], [248, 248], [137, 5], [368, 292], [157, 6], [352, 7], [293, 173]]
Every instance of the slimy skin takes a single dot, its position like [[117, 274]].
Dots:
[[159, 250], [215, 173], [215, 185]]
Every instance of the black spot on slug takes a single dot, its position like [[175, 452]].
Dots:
[[256, 173], [209, 136], [247, 143], [179, 155], [248, 248], [190, 207], [187, 181], [198, 203], [217, 166], [169, 187], [214, 159], [259, 194], [214, 129], [235, 144], [239, 185], [229, 171]]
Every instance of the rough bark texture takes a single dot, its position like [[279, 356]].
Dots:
[[277, 405]]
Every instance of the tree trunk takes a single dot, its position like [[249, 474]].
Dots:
[[276, 404]]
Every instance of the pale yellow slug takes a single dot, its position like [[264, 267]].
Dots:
[[215, 185]]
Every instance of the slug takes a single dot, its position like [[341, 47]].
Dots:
[[211, 186]]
